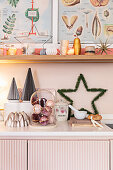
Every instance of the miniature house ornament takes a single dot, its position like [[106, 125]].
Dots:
[[29, 87]]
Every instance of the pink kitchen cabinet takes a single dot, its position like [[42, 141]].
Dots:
[[68, 155], [111, 153], [13, 154]]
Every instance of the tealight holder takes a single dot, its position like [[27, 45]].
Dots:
[[51, 51], [12, 50]]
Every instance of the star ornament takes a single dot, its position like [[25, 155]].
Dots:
[[101, 91]]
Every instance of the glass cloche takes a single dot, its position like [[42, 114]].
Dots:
[[43, 108]]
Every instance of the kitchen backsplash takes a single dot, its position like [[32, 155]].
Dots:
[[63, 75]]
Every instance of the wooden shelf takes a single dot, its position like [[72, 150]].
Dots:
[[57, 59]]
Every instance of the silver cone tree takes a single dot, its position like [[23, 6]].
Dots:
[[29, 87], [13, 92]]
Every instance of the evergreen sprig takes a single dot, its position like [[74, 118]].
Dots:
[[13, 3], [9, 24], [81, 78]]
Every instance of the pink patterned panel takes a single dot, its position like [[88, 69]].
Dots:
[[68, 155], [13, 155]]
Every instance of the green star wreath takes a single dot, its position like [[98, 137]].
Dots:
[[81, 78]]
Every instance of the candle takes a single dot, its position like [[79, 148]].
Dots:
[[12, 50], [70, 51]]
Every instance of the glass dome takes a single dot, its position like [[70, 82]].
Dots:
[[43, 108]]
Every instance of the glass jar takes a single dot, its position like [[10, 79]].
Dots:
[[12, 50], [1, 48], [61, 111], [5, 50], [43, 108], [1, 114]]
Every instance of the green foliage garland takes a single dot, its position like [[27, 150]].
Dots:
[[13, 3], [9, 24], [35, 18], [81, 78]]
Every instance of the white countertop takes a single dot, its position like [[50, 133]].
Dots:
[[62, 129]]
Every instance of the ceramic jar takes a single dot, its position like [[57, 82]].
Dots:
[[61, 111], [90, 50], [64, 47], [19, 51], [51, 51]]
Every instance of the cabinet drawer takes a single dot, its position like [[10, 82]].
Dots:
[[111, 154], [13, 155], [68, 155]]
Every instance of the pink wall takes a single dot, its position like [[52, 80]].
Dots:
[[98, 75]]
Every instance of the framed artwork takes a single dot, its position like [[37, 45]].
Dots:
[[25, 21], [91, 20]]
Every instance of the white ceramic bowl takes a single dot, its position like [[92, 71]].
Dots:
[[80, 114]]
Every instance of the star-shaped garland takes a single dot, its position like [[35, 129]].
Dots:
[[81, 78]]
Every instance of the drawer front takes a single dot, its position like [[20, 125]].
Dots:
[[13, 155], [68, 155]]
